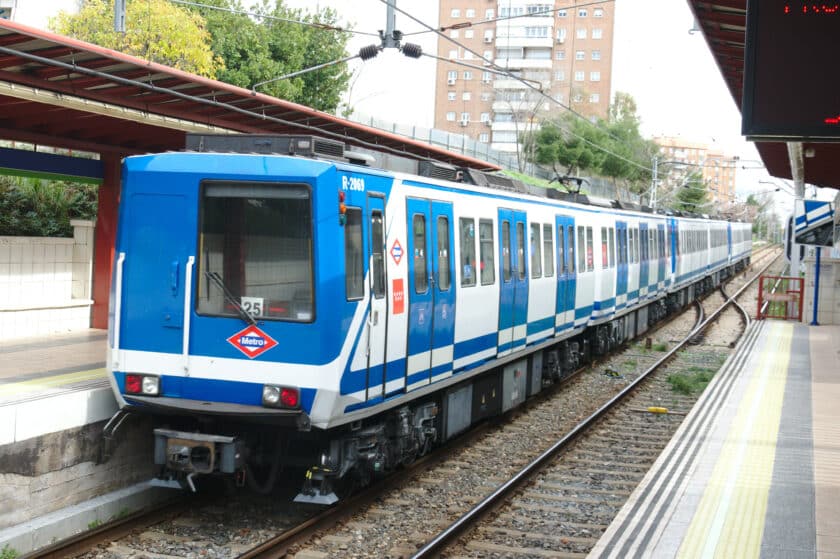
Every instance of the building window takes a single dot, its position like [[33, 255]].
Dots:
[[467, 75], [561, 35], [562, 13], [579, 75], [470, 12], [469, 33], [559, 75], [594, 76], [452, 75], [488, 14], [450, 116], [504, 137], [484, 137], [453, 54], [581, 33], [465, 96], [536, 32], [468, 55], [450, 95], [488, 55], [485, 117], [582, 12], [577, 98], [465, 117], [454, 34], [596, 55], [598, 12], [485, 95], [540, 10], [488, 35], [594, 97], [580, 55], [486, 77], [560, 55], [455, 13], [597, 33]]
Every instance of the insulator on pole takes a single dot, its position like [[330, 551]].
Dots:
[[368, 52], [412, 50]]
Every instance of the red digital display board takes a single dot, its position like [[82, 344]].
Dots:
[[791, 71]]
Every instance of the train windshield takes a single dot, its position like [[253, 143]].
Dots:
[[255, 251]]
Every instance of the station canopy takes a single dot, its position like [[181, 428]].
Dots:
[[60, 92], [724, 24]]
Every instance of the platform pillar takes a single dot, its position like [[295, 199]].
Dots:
[[105, 236]]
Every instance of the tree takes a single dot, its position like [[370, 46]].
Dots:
[[259, 48], [691, 194], [631, 153], [571, 142], [156, 30]]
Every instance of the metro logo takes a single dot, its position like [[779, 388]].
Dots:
[[252, 341]]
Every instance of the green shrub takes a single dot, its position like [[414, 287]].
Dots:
[[31, 207]]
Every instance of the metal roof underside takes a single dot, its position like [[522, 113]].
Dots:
[[723, 23], [62, 92]]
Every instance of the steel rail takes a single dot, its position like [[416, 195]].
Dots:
[[434, 546]]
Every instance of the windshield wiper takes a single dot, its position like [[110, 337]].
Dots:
[[217, 279]]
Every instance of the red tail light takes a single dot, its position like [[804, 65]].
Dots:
[[133, 384], [289, 398]]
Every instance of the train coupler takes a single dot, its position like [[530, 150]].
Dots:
[[317, 487]]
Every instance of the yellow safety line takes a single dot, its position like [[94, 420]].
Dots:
[[729, 522], [14, 388]]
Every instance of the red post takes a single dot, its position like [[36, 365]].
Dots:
[[105, 237]]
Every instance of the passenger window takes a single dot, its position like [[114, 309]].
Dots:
[[467, 236], [488, 267], [561, 242], [536, 257], [444, 271], [548, 251], [421, 278], [354, 263], [612, 248], [378, 253], [605, 262], [506, 267], [581, 249], [590, 256], [520, 249], [570, 269]]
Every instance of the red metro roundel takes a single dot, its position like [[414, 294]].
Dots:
[[252, 341]]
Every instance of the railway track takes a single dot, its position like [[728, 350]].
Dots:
[[396, 516]]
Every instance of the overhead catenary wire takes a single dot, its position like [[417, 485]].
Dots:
[[513, 76], [315, 24]]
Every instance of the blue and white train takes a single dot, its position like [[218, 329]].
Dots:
[[283, 310]]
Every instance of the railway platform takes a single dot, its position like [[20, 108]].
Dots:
[[754, 470]]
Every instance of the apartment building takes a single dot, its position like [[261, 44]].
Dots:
[[558, 48], [680, 157]]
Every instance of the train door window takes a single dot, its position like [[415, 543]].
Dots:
[[520, 249], [421, 274], [467, 236], [536, 251], [548, 251], [612, 247], [485, 240], [378, 253], [354, 263], [590, 256], [581, 249], [571, 239], [444, 270], [256, 244], [561, 242], [506, 260], [605, 261], [652, 252], [630, 235]]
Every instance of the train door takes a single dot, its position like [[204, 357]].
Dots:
[[431, 309], [675, 251], [378, 311], [513, 292], [621, 270], [644, 255], [566, 280]]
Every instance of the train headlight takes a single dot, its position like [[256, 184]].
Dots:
[[148, 385], [280, 397]]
